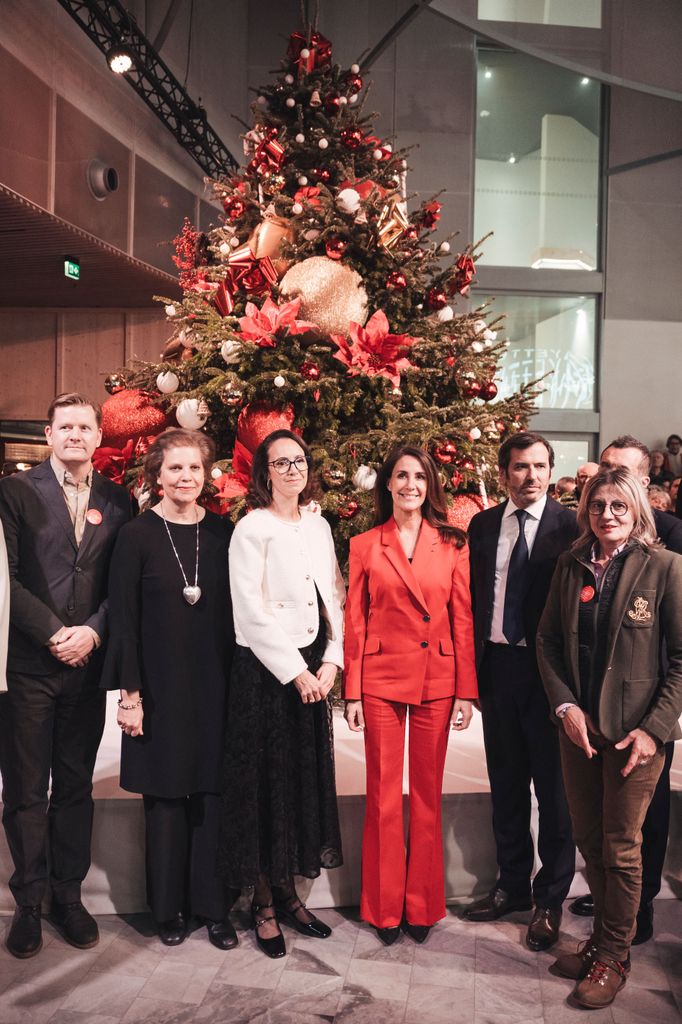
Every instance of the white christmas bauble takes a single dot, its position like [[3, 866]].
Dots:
[[353, 98], [186, 338], [444, 247], [474, 433], [290, 101], [300, 138], [348, 200], [224, 248], [343, 100], [170, 310], [388, 147], [445, 314], [355, 68], [279, 380], [311, 235], [305, 53], [167, 382], [262, 101], [480, 325], [216, 473], [289, 79], [489, 335], [364, 477], [377, 154], [477, 346], [303, 180], [234, 242], [296, 208], [323, 143], [188, 415], [231, 351]]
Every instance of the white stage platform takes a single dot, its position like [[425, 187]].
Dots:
[[115, 883]]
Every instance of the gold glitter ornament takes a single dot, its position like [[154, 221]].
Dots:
[[331, 294]]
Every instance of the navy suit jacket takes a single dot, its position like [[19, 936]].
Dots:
[[54, 581], [557, 530], [669, 529]]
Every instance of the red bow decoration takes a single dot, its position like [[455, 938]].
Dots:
[[319, 51], [245, 273], [268, 156], [430, 214], [113, 462], [308, 194], [465, 272]]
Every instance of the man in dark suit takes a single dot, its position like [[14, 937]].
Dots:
[[514, 548], [60, 521], [629, 453]]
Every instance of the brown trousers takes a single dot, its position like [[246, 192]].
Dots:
[[607, 812]]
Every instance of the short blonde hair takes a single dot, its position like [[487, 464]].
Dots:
[[635, 497]]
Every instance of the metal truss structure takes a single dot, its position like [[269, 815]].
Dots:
[[109, 24]]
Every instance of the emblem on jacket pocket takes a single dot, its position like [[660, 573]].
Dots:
[[640, 612]]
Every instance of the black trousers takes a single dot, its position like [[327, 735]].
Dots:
[[182, 846], [50, 726], [655, 831], [521, 746]]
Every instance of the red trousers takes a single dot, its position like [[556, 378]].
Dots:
[[396, 881]]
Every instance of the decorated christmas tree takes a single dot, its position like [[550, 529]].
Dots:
[[321, 303]]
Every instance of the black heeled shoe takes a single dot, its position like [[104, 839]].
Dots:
[[273, 947], [173, 931], [418, 932], [315, 928], [388, 935]]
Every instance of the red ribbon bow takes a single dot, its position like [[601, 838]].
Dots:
[[319, 51], [465, 272], [245, 273], [268, 155]]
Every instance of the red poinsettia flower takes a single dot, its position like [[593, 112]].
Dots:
[[308, 194], [262, 325], [374, 351]]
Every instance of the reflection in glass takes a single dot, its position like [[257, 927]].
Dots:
[[568, 455], [580, 13]]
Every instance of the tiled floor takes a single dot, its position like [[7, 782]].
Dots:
[[463, 974]]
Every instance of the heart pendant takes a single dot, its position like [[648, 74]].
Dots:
[[191, 594]]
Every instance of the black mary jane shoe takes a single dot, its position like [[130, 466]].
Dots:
[[173, 931], [273, 947], [314, 928], [418, 932], [388, 935], [221, 934]]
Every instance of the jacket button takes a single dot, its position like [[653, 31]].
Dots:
[[310, 604], [424, 643], [280, 605], [307, 577], [78, 569], [311, 629], [427, 618]]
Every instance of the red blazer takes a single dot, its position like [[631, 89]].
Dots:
[[409, 633]]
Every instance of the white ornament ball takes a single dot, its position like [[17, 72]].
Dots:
[[480, 325], [348, 200], [300, 138], [377, 154], [477, 346], [296, 208], [216, 473], [290, 101], [234, 242], [445, 314], [343, 100], [489, 335], [188, 415], [231, 351], [186, 338], [355, 68], [311, 235], [224, 248], [279, 380], [323, 143], [474, 433], [303, 180], [289, 79], [170, 310], [388, 147], [305, 53], [353, 98], [444, 247], [364, 477], [167, 382], [262, 101]]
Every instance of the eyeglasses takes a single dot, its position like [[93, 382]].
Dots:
[[616, 508], [283, 466]]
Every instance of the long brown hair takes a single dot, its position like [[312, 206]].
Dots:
[[259, 495], [434, 510]]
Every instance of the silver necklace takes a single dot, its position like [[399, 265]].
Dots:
[[190, 594]]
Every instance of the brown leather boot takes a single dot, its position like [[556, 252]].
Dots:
[[601, 984]]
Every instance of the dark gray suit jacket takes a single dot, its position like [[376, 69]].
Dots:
[[53, 580]]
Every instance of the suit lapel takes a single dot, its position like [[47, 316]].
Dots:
[[47, 485], [489, 544], [99, 502], [544, 546], [395, 553]]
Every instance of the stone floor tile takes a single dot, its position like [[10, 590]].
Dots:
[[358, 1007], [232, 1004], [104, 993], [319, 957], [156, 1011], [368, 946], [645, 1006], [436, 1004], [379, 980], [127, 956], [76, 1017], [179, 982], [443, 969], [249, 967], [297, 992]]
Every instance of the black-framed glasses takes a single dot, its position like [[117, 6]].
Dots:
[[282, 466], [616, 508]]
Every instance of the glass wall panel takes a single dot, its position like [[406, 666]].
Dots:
[[580, 13], [537, 163], [568, 455]]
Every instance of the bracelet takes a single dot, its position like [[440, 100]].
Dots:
[[129, 707]]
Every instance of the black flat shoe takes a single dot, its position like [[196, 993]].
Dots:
[[495, 905], [583, 906], [315, 928], [173, 931], [388, 935], [273, 947], [645, 924], [25, 937], [76, 925], [418, 932], [221, 934]]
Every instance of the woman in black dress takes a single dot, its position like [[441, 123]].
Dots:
[[279, 795], [171, 639]]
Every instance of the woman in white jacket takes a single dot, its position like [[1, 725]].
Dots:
[[279, 797]]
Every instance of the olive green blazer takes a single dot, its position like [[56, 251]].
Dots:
[[647, 605]]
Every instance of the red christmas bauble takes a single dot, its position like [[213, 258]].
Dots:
[[456, 479], [354, 82], [488, 391], [320, 174], [114, 383], [463, 509], [128, 415], [335, 248], [332, 103], [396, 281], [436, 298], [471, 388], [410, 234], [258, 420], [234, 207], [348, 507], [310, 371], [351, 137], [445, 452], [501, 426], [466, 464]]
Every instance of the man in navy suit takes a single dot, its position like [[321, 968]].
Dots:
[[60, 521], [514, 548]]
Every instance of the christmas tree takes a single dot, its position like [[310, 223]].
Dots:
[[322, 303]]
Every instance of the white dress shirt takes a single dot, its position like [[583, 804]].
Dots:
[[509, 534]]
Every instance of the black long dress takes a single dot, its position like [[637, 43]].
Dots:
[[176, 654]]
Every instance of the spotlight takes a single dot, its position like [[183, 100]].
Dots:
[[487, 73], [119, 59], [584, 81], [512, 159]]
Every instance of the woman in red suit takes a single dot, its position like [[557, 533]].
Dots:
[[409, 650]]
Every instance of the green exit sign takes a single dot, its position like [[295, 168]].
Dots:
[[72, 270]]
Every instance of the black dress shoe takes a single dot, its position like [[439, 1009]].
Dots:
[[583, 906], [315, 928], [275, 946], [25, 936], [645, 924], [173, 931], [76, 925], [418, 932], [543, 930], [221, 934], [388, 935], [496, 904]]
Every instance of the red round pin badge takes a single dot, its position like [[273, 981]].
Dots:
[[94, 516], [586, 594]]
